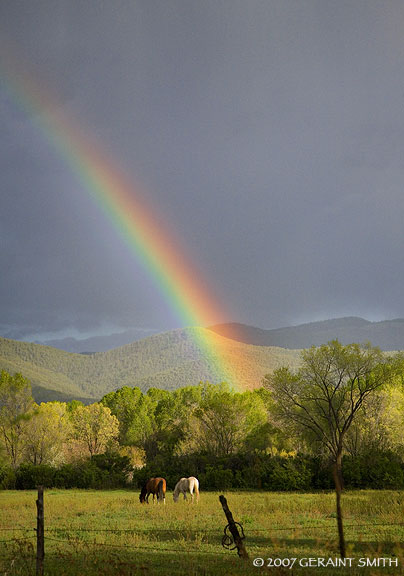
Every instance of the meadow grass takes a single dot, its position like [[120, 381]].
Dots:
[[110, 532]]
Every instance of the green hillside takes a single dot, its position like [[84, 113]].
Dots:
[[168, 361]]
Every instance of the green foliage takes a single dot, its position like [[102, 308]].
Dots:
[[95, 427], [226, 421], [275, 473], [229, 440], [288, 474], [28, 476], [7, 477], [218, 478], [375, 469], [115, 469], [15, 410], [124, 404], [103, 471], [46, 432], [324, 398]]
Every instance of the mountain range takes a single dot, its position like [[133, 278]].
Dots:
[[99, 343], [387, 335], [172, 359], [168, 361]]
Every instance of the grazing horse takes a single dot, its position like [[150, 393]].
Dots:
[[155, 486], [185, 485]]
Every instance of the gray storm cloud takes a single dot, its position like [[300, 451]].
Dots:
[[269, 134]]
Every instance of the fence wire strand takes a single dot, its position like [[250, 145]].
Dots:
[[322, 527], [125, 546], [17, 539], [16, 529], [212, 530]]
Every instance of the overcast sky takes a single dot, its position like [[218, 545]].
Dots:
[[270, 134]]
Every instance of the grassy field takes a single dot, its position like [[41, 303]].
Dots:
[[104, 533]]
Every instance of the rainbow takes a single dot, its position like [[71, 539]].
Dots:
[[125, 207]]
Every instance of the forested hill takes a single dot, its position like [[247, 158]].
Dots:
[[169, 360], [388, 335]]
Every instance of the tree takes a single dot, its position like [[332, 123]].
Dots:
[[46, 433], [224, 420], [379, 427], [124, 403], [322, 399], [95, 427], [173, 415], [15, 406]]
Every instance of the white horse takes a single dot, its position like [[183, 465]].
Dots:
[[185, 485]]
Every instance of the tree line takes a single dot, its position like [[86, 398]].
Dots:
[[337, 421]]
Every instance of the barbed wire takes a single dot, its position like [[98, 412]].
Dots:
[[134, 547], [20, 557], [130, 530], [324, 526], [16, 529], [213, 530], [137, 530], [18, 539]]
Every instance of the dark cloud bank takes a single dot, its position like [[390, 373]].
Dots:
[[269, 134]]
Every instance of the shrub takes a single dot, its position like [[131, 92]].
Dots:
[[113, 468], [219, 478], [375, 469], [289, 474], [28, 476], [7, 477]]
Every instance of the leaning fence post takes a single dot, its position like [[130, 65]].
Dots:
[[237, 539], [40, 533]]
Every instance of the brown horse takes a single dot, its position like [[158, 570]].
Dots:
[[155, 486]]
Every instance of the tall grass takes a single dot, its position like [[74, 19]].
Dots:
[[105, 533]]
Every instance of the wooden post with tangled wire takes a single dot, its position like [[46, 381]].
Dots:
[[236, 538]]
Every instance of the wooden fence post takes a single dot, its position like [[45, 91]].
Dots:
[[40, 533], [237, 538]]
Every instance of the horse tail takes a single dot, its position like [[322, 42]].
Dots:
[[162, 490], [196, 488]]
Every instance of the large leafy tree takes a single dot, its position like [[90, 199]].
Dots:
[[173, 416], [15, 408], [46, 433], [94, 427], [125, 403], [323, 398], [225, 420]]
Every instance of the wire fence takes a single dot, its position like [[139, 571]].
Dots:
[[52, 531], [68, 536], [137, 530]]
